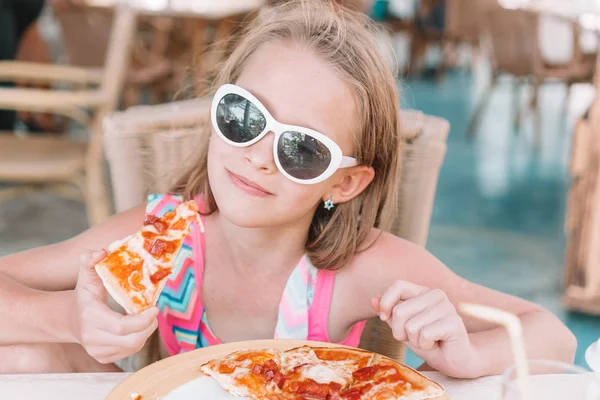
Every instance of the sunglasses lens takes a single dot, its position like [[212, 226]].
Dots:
[[238, 119], [302, 156]]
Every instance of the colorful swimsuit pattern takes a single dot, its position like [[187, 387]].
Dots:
[[303, 309]]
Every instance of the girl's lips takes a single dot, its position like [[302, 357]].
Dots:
[[248, 186]]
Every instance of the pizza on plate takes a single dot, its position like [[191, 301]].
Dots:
[[319, 373], [136, 268]]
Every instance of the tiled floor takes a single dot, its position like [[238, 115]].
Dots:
[[499, 209], [500, 205]]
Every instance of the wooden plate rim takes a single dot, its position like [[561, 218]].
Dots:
[[156, 380]]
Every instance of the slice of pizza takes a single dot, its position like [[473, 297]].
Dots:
[[251, 373], [320, 373], [386, 379], [136, 268]]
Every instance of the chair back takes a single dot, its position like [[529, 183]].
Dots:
[[582, 226], [422, 157], [465, 26], [513, 39], [147, 144], [85, 34]]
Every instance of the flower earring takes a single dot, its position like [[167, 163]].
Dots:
[[329, 204]]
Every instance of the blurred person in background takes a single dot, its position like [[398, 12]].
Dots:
[[22, 40], [15, 17], [429, 22]]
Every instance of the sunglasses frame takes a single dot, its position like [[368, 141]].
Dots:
[[338, 160]]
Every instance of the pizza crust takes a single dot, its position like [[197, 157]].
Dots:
[[243, 361], [225, 381], [116, 291], [428, 389], [120, 295], [432, 390], [140, 257]]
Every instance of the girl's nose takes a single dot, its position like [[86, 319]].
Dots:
[[260, 154]]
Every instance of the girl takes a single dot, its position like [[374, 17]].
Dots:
[[295, 184]]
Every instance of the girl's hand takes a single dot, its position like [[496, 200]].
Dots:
[[105, 334], [428, 322]]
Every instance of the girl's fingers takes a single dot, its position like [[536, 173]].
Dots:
[[437, 331], [406, 310], [123, 325], [136, 340], [105, 354], [415, 324], [88, 279], [375, 303], [400, 290], [130, 343]]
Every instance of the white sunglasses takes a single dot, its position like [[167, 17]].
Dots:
[[301, 154]]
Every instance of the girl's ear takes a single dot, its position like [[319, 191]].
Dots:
[[353, 182]]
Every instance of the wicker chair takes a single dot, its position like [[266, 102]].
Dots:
[[58, 163], [460, 27], [85, 38], [514, 39], [145, 144], [582, 262]]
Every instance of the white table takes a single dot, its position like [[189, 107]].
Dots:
[[185, 8], [585, 12], [97, 386], [220, 14]]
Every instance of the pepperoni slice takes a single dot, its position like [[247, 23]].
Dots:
[[159, 275], [313, 389], [160, 247], [351, 394], [272, 365], [269, 374], [257, 369], [271, 368], [148, 245], [365, 374], [160, 226], [279, 379]]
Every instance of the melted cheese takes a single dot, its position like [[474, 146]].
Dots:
[[331, 372], [316, 369], [291, 359], [135, 244]]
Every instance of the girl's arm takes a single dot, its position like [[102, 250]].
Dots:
[[55, 267], [418, 296], [52, 294]]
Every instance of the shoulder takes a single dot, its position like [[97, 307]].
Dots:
[[388, 251], [383, 259], [386, 258], [101, 236]]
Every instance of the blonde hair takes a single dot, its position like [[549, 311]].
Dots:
[[345, 39]]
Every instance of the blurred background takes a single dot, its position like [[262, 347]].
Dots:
[[515, 182]]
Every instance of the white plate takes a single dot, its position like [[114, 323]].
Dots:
[[200, 388]]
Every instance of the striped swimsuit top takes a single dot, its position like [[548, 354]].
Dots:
[[303, 309]]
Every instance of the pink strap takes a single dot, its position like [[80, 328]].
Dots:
[[318, 314], [167, 336]]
